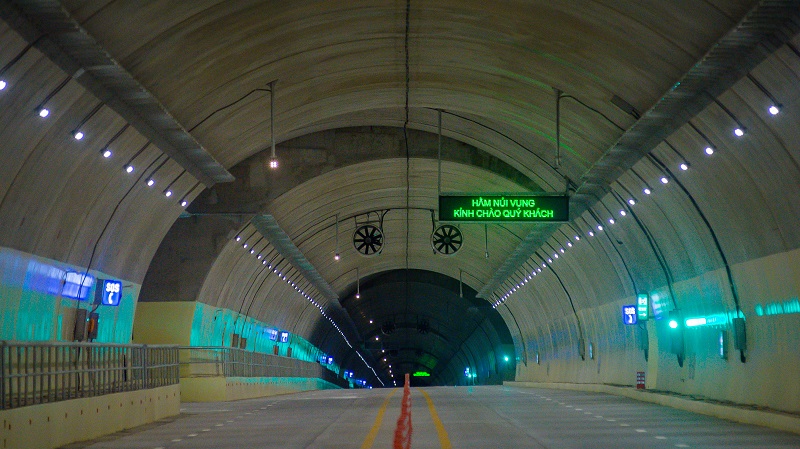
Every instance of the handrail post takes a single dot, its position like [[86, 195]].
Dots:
[[3, 352], [145, 383]]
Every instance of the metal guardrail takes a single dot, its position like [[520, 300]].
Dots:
[[220, 361], [42, 372]]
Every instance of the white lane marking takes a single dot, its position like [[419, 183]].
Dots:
[[624, 425], [205, 430], [176, 440], [681, 445], [569, 406], [578, 409], [219, 425], [192, 435], [230, 420], [587, 413], [641, 430], [661, 438], [598, 416], [611, 420]]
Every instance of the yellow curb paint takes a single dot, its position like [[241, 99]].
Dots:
[[444, 440], [367, 444]]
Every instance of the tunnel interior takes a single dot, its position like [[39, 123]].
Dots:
[[234, 157]]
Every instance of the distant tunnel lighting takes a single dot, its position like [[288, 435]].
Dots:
[[599, 227], [3, 85], [591, 233], [692, 322], [377, 338], [168, 193], [238, 238], [632, 202], [569, 244], [647, 191], [129, 168], [739, 132], [673, 324], [43, 112], [151, 182], [664, 180], [577, 237], [684, 166], [611, 221], [709, 151], [244, 246], [78, 135], [336, 257], [562, 250], [623, 213], [184, 203], [273, 163], [107, 153], [775, 109]]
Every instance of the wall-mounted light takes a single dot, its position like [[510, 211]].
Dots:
[[739, 130], [78, 133], [151, 180], [129, 167], [168, 190], [358, 285], [273, 158], [710, 147], [664, 180], [14, 60], [336, 256], [775, 106]]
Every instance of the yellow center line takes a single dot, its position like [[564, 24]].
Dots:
[[367, 444], [444, 440]]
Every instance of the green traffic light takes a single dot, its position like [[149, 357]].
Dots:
[[505, 358]]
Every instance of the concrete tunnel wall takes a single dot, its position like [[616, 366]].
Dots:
[[745, 197]]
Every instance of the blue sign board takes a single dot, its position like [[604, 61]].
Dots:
[[109, 292], [629, 315], [284, 337]]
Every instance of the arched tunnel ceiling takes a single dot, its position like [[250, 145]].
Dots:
[[493, 69]]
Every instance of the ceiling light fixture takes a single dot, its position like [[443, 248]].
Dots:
[[273, 158]]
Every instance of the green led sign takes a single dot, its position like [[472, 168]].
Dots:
[[498, 208], [421, 374]]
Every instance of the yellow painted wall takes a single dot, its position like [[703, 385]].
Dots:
[[163, 323], [53, 425], [211, 389]]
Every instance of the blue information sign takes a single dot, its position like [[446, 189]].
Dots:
[[629, 315], [109, 292]]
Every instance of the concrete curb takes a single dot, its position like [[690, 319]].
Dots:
[[774, 420]]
